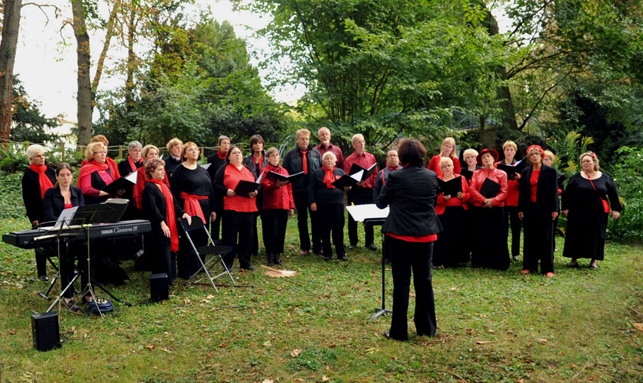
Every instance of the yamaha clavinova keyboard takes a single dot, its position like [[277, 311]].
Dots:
[[29, 239]]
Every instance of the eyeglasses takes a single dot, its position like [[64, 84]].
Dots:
[[100, 152]]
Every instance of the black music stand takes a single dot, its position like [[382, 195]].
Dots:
[[371, 216]]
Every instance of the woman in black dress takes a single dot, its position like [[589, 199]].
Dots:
[[586, 208], [192, 189], [162, 210], [35, 182], [328, 201], [60, 197], [411, 226], [133, 160], [173, 160], [538, 209]]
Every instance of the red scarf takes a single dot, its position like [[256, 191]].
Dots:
[[170, 217], [257, 160], [329, 177], [43, 180], [304, 160], [222, 155], [192, 205], [132, 164], [90, 168]]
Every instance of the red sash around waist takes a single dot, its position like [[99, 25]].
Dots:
[[192, 205]]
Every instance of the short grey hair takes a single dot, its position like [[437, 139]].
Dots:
[[32, 150], [134, 144], [221, 138], [356, 136], [330, 154], [320, 129]]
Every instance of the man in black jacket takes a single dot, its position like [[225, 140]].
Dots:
[[307, 159]]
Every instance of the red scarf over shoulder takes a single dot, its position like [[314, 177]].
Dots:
[[43, 180], [169, 217]]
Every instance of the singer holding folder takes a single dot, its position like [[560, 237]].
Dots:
[[238, 210], [58, 198], [411, 228], [488, 194]]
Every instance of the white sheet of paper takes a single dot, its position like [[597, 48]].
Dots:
[[132, 177], [357, 176], [205, 166], [65, 217], [369, 211]]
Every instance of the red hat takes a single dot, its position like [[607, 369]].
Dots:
[[490, 151], [542, 152]]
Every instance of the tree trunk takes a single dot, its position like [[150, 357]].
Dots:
[[103, 54], [84, 81], [131, 58], [10, 29], [504, 94]]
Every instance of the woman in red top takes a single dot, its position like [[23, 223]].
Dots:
[[277, 204], [450, 249], [490, 248], [538, 208], [447, 149], [238, 210], [150, 152], [96, 174], [511, 204]]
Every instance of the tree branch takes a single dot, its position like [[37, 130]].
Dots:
[[57, 12]]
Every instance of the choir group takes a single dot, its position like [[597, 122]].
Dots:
[[480, 199]]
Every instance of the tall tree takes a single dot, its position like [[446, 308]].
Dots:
[[8, 45], [84, 81]]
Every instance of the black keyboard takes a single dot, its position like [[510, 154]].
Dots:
[[29, 239]]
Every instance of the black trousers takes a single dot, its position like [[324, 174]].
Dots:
[[163, 260], [331, 216], [274, 230], [237, 233], [512, 220], [303, 208], [415, 257], [490, 249], [359, 196], [41, 261], [215, 227], [539, 244]]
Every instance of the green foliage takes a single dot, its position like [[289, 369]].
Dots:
[[11, 205], [13, 157], [568, 152], [28, 122], [628, 176], [200, 85]]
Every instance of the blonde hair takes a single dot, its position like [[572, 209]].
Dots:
[[470, 151], [510, 143], [445, 160], [173, 142], [592, 155], [448, 140], [185, 148], [550, 155], [301, 132], [91, 148], [147, 149]]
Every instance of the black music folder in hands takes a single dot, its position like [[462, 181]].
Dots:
[[123, 183], [512, 170], [452, 187], [348, 180], [244, 188], [274, 177], [367, 172], [489, 188]]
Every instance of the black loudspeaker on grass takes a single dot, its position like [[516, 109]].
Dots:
[[159, 286], [46, 331]]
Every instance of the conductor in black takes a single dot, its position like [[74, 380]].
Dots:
[[411, 228]]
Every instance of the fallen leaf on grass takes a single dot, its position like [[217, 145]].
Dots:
[[394, 358], [483, 341], [267, 343], [542, 341], [638, 326], [223, 345], [166, 350], [149, 347], [13, 332], [268, 381], [295, 353], [325, 379]]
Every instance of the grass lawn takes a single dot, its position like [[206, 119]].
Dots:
[[492, 326]]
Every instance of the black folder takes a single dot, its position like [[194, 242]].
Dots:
[[452, 187], [274, 177], [345, 181], [125, 183], [367, 172], [512, 170], [489, 188], [244, 188]]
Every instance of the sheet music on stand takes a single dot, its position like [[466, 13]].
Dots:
[[368, 211]]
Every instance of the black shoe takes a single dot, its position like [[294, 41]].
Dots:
[[249, 268], [43, 278], [326, 258], [73, 306], [319, 252], [343, 258], [351, 247], [278, 260], [371, 247], [271, 260]]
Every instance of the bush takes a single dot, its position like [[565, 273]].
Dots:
[[13, 158], [628, 176], [11, 205]]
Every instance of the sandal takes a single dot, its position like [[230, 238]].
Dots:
[[572, 265], [550, 274], [593, 266], [525, 272]]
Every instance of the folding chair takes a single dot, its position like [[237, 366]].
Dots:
[[216, 251]]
